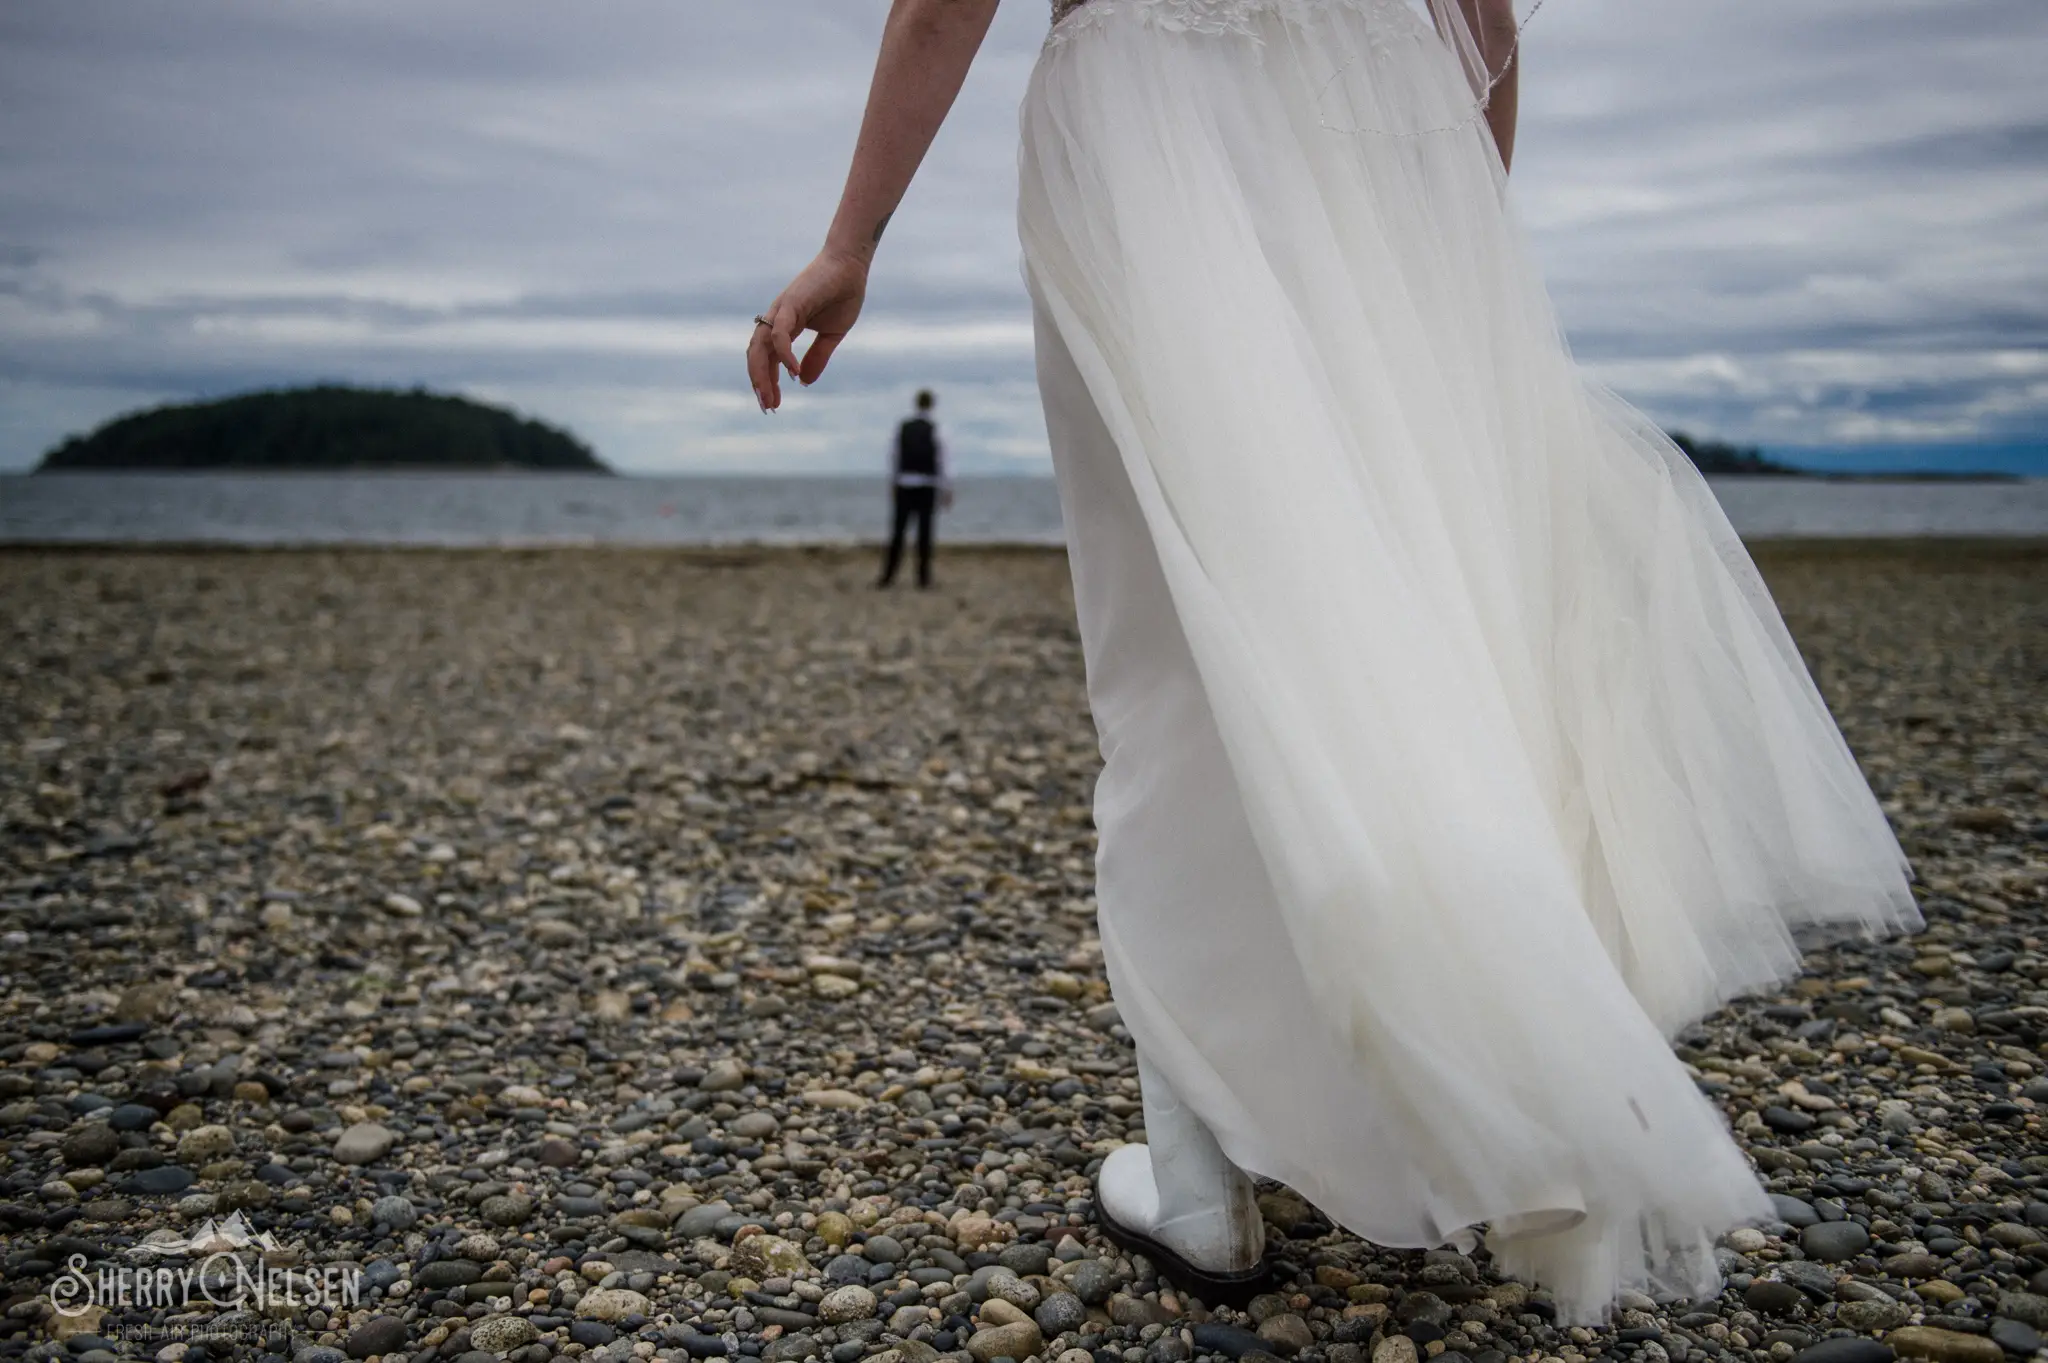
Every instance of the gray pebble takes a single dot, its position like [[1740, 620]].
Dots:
[[1845, 1349], [396, 1211], [1060, 1312], [1833, 1242], [700, 1221], [378, 1335], [1093, 1281], [2015, 1336], [364, 1143], [1026, 1260], [1795, 1212]]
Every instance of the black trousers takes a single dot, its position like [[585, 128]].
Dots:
[[920, 502]]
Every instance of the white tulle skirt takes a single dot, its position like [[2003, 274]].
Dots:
[[1455, 755]]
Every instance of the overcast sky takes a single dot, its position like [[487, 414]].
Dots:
[[1806, 223]]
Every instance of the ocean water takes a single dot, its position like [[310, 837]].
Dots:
[[525, 509]]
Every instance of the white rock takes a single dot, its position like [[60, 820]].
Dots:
[[501, 1333], [363, 1143], [204, 1144], [613, 1304], [723, 1075], [842, 1099], [852, 1302], [820, 964]]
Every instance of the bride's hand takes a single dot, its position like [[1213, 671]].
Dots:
[[825, 298]]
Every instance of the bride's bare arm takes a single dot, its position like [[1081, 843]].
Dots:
[[927, 46], [1493, 26]]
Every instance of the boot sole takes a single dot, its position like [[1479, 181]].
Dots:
[[1233, 1289]]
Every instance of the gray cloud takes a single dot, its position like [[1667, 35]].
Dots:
[[1796, 224]]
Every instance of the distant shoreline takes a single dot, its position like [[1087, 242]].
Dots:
[[325, 427], [509, 509], [1901, 476], [629, 475], [743, 554], [333, 471]]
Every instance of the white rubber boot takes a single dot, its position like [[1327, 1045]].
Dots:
[[1179, 1200]]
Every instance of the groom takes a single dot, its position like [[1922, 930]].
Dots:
[[920, 488]]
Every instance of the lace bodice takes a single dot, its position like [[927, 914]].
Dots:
[[1239, 17], [1391, 30], [1191, 16]]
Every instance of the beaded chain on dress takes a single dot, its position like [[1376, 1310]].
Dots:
[[1392, 20], [1215, 17]]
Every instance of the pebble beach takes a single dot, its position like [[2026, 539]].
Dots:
[[622, 955]]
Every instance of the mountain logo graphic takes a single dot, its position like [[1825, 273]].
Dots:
[[224, 1237]]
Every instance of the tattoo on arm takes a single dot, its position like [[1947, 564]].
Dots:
[[880, 227]]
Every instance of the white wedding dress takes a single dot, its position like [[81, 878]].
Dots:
[[1455, 755]]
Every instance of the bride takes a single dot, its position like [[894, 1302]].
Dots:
[[1455, 755]]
